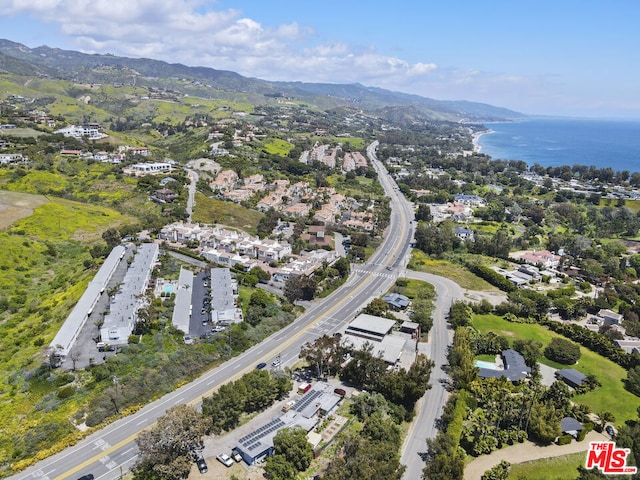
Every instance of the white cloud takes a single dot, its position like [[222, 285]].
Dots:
[[194, 33]]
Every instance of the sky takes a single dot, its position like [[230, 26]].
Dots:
[[560, 57]]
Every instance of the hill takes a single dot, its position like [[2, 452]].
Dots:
[[205, 82]]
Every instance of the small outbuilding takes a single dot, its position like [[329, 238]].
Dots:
[[571, 377], [396, 301], [571, 426]]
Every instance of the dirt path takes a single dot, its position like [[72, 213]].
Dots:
[[524, 452]]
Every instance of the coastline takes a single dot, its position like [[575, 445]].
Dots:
[[475, 140]]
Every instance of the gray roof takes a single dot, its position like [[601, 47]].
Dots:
[[182, 307], [370, 326], [571, 374], [570, 424], [65, 338], [119, 322], [515, 367], [321, 395], [396, 300]]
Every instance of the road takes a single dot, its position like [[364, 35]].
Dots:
[[191, 199], [431, 404], [112, 450]]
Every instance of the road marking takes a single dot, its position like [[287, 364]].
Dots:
[[237, 375]]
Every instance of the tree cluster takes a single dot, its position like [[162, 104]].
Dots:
[[253, 392]]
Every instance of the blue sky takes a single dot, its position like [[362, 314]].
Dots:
[[578, 58]]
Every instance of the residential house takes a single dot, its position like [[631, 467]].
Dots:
[[514, 369], [609, 317]]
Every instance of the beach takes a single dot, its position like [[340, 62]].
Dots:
[[475, 140]]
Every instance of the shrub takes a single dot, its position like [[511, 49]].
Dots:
[[562, 351], [66, 391], [564, 439]]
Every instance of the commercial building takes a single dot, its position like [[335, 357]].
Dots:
[[306, 413], [375, 332], [224, 291]]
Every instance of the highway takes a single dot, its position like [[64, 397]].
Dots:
[[111, 451]]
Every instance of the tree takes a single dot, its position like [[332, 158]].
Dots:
[[460, 314], [112, 237], [292, 444], [530, 349], [376, 307], [498, 472], [278, 468], [324, 355], [544, 423], [632, 382], [300, 288], [562, 351], [165, 449]]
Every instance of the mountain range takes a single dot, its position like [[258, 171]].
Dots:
[[18, 59]]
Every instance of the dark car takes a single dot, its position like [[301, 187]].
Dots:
[[202, 465], [88, 476], [610, 430], [261, 365], [339, 391]]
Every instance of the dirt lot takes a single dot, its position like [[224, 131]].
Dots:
[[16, 205]]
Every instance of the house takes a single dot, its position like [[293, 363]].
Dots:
[[514, 369], [544, 257], [396, 301], [571, 377], [609, 317], [571, 426], [464, 233], [164, 195], [6, 158]]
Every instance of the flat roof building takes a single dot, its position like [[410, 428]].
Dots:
[[182, 309], [121, 319], [224, 290], [66, 336], [319, 400], [370, 327]]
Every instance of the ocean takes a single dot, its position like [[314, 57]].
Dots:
[[563, 141]]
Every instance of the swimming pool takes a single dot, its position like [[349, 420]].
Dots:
[[168, 289], [483, 364]]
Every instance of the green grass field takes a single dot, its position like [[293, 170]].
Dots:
[[420, 262], [277, 146], [554, 468], [211, 210], [611, 396]]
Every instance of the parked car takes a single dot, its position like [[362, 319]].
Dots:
[[224, 459], [235, 454], [202, 465], [339, 391], [261, 365], [610, 430], [288, 406]]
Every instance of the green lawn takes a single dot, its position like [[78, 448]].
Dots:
[[211, 210], [277, 146], [420, 262], [611, 396], [554, 468]]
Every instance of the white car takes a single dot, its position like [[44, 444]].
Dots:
[[224, 459]]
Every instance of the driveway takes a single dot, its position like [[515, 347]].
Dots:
[[526, 452]]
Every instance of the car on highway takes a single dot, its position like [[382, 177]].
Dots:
[[388, 268], [610, 430], [261, 365], [275, 363], [202, 465], [88, 476], [224, 459]]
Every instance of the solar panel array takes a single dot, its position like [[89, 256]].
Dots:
[[252, 440], [307, 399]]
